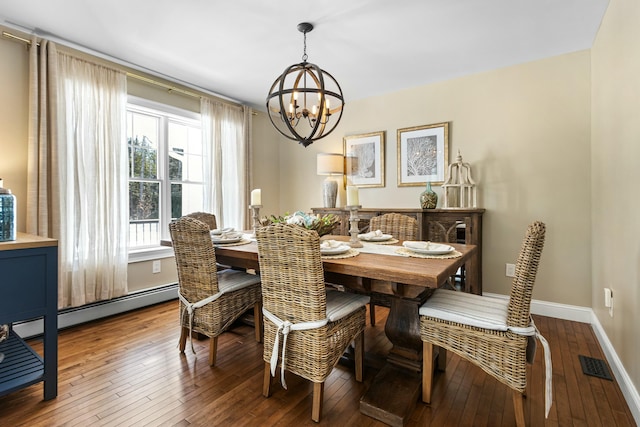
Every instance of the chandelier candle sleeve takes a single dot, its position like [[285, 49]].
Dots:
[[256, 197], [352, 195]]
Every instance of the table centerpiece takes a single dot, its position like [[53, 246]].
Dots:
[[321, 224]]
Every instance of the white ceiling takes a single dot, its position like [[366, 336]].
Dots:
[[237, 48]]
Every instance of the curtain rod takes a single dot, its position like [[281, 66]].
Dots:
[[145, 79], [169, 87], [18, 38]]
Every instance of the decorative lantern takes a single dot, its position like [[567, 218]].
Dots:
[[460, 183]]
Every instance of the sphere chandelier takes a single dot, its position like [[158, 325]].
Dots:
[[305, 103]]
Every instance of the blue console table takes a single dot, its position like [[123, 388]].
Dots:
[[29, 290]]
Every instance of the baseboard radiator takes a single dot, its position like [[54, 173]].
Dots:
[[78, 315]]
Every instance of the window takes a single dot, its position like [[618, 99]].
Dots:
[[165, 169]]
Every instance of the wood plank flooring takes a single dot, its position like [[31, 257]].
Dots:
[[126, 371]]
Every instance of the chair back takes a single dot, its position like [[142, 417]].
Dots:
[[207, 218], [291, 273], [195, 258], [400, 226], [526, 270]]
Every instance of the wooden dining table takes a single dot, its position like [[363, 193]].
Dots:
[[395, 390]]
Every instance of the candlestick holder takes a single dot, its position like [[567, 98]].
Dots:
[[255, 214], [354, 242]]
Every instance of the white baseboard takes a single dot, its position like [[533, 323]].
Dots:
[[76, 316], [626, 385], [587, 315]]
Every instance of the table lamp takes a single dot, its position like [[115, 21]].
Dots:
[[330, 164]]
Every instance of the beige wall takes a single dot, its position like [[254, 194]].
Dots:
[[14, 107], [140, 274], [266, 161], [615, 178], [524, 129]]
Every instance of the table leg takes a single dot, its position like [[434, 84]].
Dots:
[[393, 394]]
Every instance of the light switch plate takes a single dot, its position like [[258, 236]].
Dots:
[[510, 270]]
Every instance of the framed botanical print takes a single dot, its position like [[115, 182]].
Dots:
[[364, 157], [423, 154]]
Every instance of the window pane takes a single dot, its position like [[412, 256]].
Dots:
[[194, 168], [143, 159], [186, 198], [185, 152], [142, 138], [195, 140], [144, 215], [144, 200]]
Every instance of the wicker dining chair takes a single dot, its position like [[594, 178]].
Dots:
[[210, 220], [402, 227], [306, 327], [210, 300], [206, 217], [492, 333]]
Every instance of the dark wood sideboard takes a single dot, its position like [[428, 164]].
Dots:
[[435, 225]]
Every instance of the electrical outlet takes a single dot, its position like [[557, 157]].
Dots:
[[510, 270], [156, 267]]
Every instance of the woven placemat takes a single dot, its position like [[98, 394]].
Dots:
[[241, 242], [408, 252], [350, 253], [383, 242]]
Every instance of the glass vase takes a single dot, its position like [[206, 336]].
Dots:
[[428, 198]]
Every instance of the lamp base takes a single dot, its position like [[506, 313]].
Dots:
[[329, 192]]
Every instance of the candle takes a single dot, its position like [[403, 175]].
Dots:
[[256, 197], [352, 195]]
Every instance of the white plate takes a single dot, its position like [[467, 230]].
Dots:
[[229, 240], [376, 238], [335, 251], [434, 248]]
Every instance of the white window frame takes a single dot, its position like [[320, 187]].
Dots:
[[166, 113]]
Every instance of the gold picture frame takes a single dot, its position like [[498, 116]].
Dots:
[[364, 159], [423, 154]]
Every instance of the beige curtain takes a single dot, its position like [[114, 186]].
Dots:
[[225, 133], [78, 172], [43, 209]]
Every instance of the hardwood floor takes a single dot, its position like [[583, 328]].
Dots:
[[127, 371]]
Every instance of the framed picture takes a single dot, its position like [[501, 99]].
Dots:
[[364, 157], [423, 154]]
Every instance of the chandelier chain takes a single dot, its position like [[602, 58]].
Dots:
[[304, 56]]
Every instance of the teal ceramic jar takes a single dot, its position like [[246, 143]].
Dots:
[[7, 215]]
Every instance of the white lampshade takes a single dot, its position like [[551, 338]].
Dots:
[[330, 164]]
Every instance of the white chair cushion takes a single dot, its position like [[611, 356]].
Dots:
[[340, 304], [468, 309], [231, 280]]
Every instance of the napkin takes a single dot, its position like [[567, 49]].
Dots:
[[227, 235], [418, 245], [219, 231], [330, 244], [370, 235]]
